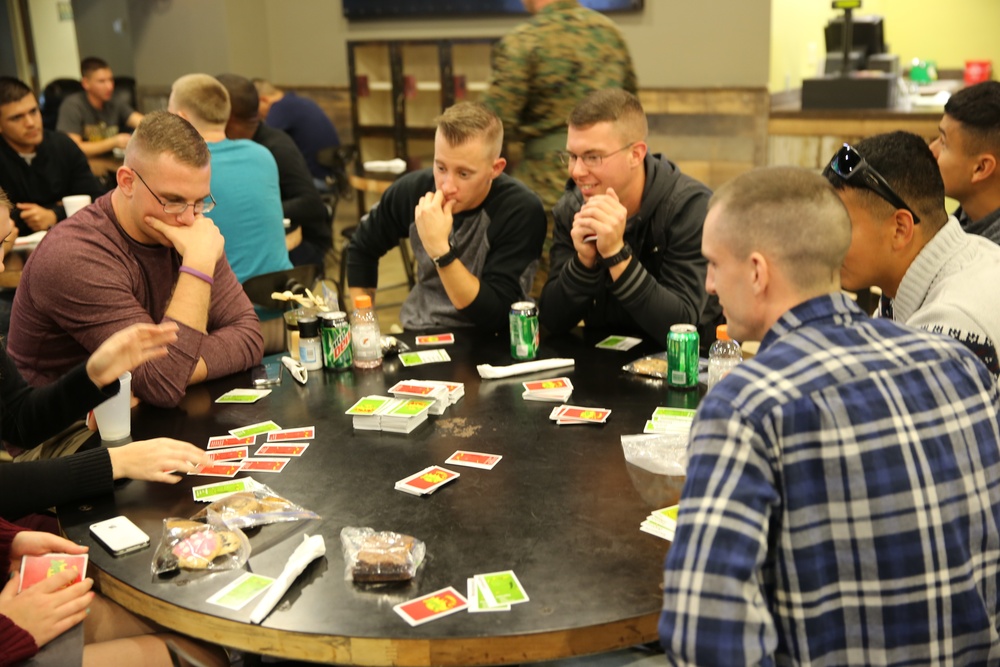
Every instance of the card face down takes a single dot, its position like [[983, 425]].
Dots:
[[431, 606]]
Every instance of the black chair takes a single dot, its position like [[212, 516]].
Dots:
[[295, 280], [125, 89], [52, 96]]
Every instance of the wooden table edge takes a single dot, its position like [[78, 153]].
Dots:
[[376, 651]]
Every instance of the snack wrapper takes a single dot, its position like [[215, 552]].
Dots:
[[654, 365], [192, 545], [253, 508], [380, 557]]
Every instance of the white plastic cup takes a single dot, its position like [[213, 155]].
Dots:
[[74, 203], [114, 416]]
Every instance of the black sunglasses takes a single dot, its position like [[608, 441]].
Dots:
[[850, 166]]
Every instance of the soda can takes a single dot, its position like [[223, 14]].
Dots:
[[335, 332], [524, 330], [682, 356]]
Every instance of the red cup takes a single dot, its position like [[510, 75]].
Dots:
[[977, 71]]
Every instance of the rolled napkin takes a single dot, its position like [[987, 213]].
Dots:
[[393, 166], [310, 549], [488, 372]]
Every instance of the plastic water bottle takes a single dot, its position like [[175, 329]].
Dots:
[[723, 356], [366, 338]]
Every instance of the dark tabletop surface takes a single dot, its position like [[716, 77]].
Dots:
[[561, 509]]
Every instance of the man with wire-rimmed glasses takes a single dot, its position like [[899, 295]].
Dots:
[[145, 252], [932, 274], [626, 248]]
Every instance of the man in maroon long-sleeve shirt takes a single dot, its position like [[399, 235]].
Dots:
[[142, 253]]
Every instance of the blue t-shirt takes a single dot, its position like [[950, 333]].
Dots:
[[308, 126], [248, 207]]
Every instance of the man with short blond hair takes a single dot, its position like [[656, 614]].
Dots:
[[840, 504], [244, 180], [475, 231], [145, 252], [95, 118]]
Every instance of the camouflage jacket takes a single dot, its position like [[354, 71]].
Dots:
[[544, 67]]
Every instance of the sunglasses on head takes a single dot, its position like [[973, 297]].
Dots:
[[850, 166]]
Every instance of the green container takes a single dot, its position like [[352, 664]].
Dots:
[[524, 330], [335, 331], [682, 357]]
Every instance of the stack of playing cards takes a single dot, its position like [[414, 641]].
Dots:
[[382, 413], [618, 343], [230, 454], [495, 591], [428, 390], [662, 523], [427, 481], [674, 421], [424, 357], [555, 389], [572, 414]]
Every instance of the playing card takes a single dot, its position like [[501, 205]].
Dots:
[[304, 433], [572, 414], [424, 357], [255, 429], [673, 413], [37, 568], [243, 396], [474, 459], [290, 449], [618, 343], [411, 388], [234, 454], [431, 606], [221, 469], [501, 588], [368, 405], [426, 481], [436, 339], [208, 493], [239, 592], [264, 465], [221, 441], [477, 601], [548, 385]]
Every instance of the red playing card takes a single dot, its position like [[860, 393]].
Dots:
[[307, 433], [218, 470], [229, 454], [429, 607], [416, 390], [542, 385], [585, 414], [264, 465], [282, 450], [436, 339], [428, 480], [220, 441], [37, 568], [474, 459]]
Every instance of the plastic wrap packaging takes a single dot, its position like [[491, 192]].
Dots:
[[392, 345], [380, 557], [253, 508], [657, 465], [192, 545], [655, 365]]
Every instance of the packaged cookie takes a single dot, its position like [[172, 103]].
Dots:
[[380, 556], [655, 365], [196, 546], [253, 508]]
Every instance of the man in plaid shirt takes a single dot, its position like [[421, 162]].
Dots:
[[843, 487]]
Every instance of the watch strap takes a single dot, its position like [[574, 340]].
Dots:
[[445, 259], [618, 257]]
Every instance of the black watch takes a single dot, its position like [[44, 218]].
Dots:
[[445, 259], [618, 257]]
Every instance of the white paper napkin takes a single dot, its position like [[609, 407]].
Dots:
[[488, 372], [310, 549]]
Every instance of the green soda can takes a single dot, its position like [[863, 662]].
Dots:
[[335, 332], [524, 330], [682, 356]]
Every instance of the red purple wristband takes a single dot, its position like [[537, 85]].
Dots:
[[197, 274]]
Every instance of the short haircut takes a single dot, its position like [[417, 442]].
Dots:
[[12, 90], [243, 97], [465, 121], [90, 65], [203, 97], [264, 87], [163, 132], [5, 200], [612, 105], [907, 164], [788, 213], [977, 108]]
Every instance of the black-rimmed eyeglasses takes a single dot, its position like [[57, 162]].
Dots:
[[178, 207], [850, 166]]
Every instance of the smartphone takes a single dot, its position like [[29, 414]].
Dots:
[[267, 375], [119, 536]]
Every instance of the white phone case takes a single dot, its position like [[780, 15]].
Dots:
[[119, 535]]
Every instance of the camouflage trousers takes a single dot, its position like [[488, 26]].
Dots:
[[545, 175]]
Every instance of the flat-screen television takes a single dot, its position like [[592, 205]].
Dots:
[[374, 9]]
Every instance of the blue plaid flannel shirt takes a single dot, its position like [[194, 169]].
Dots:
[[842, 503]]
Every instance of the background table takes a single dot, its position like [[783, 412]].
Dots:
[[560, 509]]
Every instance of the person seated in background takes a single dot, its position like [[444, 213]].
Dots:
[[932, 274], [840, 505], [144, 252], [304, 121], [626, 248], [95, 118], [475, 231], [244, 180], [37, 168], [311, 233], [968, 153]]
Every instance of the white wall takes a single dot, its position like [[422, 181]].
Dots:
[[55, 41]]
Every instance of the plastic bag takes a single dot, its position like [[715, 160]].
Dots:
[[655, 365], [657, 466], [253, 508], [192, 545], [379, 557]]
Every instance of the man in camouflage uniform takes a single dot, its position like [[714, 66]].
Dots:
[[540, 71]]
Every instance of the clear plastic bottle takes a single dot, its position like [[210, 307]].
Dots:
[[366, 338], [723, 356]]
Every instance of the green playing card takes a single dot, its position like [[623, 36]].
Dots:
[[238, 593], [501, 588]]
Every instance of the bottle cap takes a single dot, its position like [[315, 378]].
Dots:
[[308, 327], [363, 301], [722, 332]]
